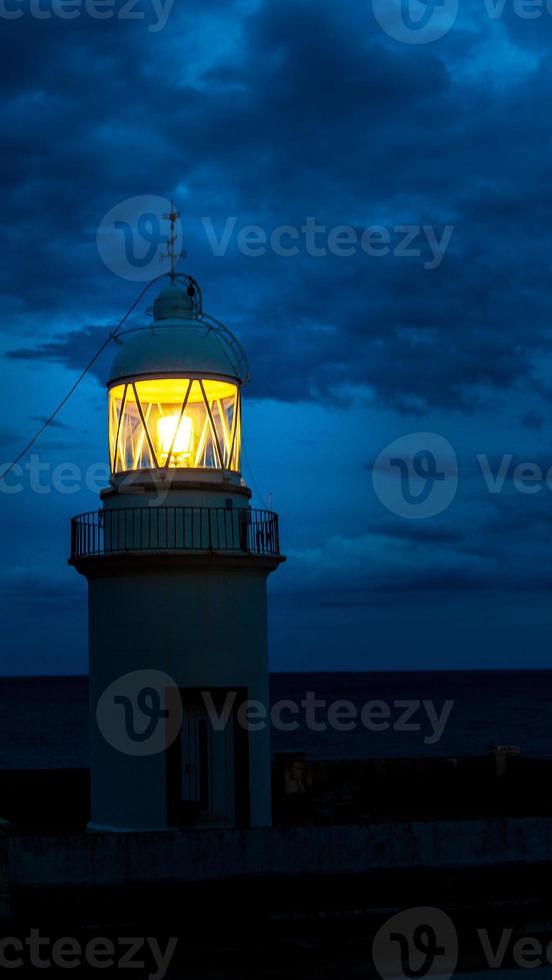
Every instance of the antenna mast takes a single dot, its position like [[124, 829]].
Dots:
[[172, 254]]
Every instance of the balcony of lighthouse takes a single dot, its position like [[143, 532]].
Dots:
[[175, 530]]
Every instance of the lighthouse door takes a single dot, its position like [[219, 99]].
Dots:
[[205, 779]]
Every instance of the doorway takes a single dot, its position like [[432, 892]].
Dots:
[[208, 764]]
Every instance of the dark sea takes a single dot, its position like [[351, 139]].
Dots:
[[44, 721]]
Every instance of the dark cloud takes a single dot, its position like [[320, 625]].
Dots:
[[274, 112], [54, 423], [533, 420], [247, 131], [73, 350], [423, 533]]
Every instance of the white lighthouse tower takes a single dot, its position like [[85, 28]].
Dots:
[[177, 563]]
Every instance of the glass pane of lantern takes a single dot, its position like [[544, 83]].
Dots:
[[236, 452], [134, 445], [171, 432], [222, 399], [116, 396], [206, 455]]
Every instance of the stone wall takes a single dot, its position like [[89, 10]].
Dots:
[[203, 855]]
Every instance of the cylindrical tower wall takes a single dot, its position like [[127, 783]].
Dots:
[[204, 623]]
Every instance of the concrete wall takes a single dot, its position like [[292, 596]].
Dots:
[[112, 859], [202, 622]]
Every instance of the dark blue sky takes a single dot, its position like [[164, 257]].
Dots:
[[271, 112]]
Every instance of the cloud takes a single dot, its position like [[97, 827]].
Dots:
[[404, 126], [273, 113], [533, 420], [42, 583], [53, 423]]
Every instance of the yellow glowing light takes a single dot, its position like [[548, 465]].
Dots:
[[146, 429], [175, 437]]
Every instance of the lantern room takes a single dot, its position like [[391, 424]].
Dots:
[[175, 390], [174, 423]]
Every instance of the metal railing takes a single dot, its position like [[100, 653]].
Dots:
[[118, 530]]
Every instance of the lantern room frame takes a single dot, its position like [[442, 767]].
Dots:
[[136, 405]]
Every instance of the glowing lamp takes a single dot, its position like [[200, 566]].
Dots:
[[175, 436]]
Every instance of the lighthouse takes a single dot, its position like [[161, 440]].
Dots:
[[177, 563]]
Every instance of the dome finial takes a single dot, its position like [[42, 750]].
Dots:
[[172, 253]]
